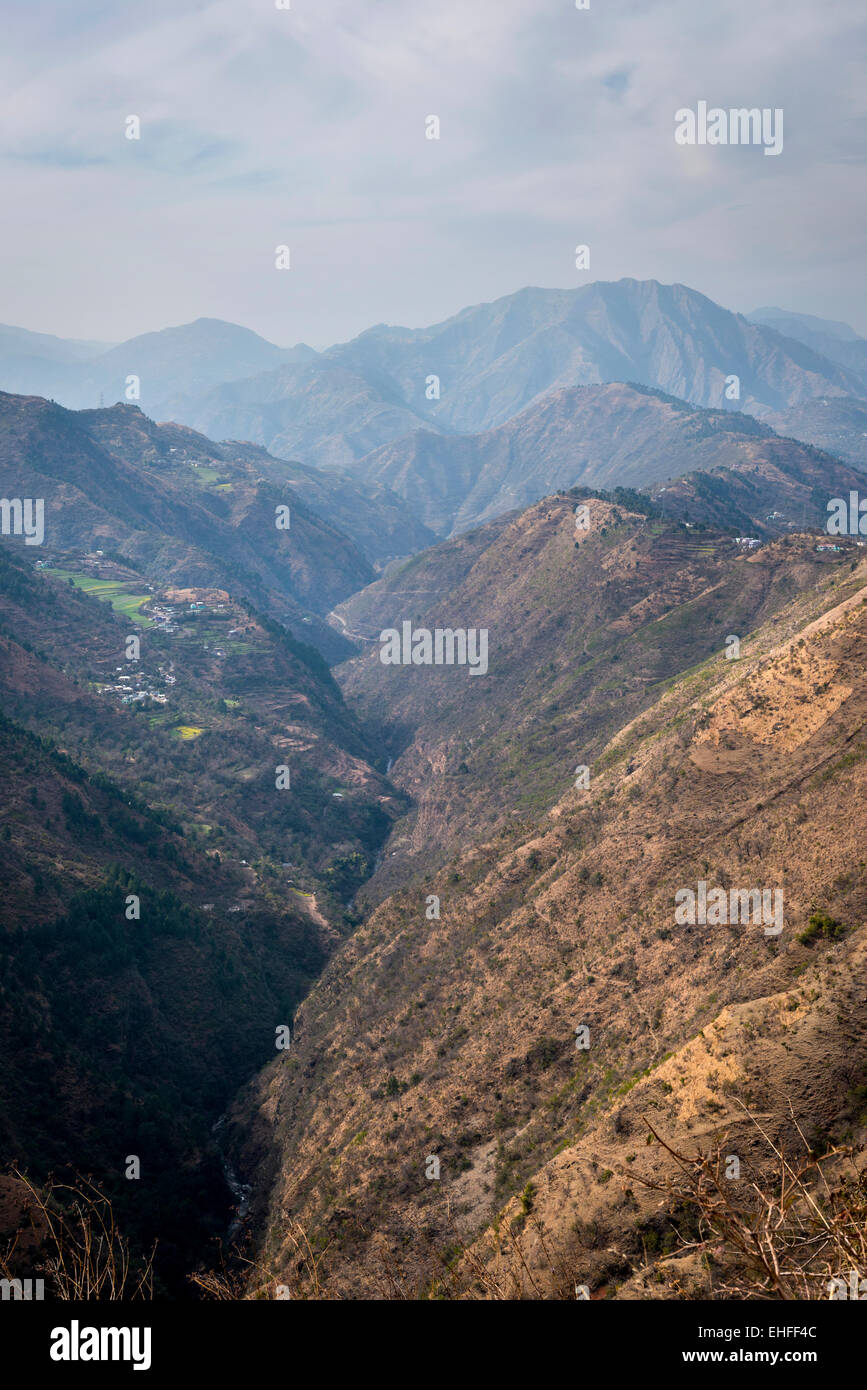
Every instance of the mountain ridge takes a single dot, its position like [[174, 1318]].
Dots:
[[603, 435], [493, 360], [452, 1034]]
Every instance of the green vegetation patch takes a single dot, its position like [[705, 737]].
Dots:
[[114, 591]]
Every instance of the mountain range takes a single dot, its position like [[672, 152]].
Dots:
[[613, 435], [490, 362], [430, 881], [438, 1131]]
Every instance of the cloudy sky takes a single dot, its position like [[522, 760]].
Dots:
[[263, 126]]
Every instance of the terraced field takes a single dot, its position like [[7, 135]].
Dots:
[[113, 591]]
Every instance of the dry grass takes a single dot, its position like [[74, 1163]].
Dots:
[[84, 1254], [243, 1278], [783, 1233]]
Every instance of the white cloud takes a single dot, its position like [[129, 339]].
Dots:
[[261, 126]]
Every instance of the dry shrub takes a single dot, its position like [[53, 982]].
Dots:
[[783, 1232], [83, 1254]]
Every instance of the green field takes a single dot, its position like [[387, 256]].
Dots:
[[122, 599], [205, 475]]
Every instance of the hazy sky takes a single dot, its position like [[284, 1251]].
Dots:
[[306, 127]]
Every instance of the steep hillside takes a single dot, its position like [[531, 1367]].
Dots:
[[602, 436], [832, 339], [457, 1037], [835, 423], [377, 521], [217, 698], [112, 480], [584, 630], [126, 1035], [157, 777]]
